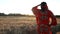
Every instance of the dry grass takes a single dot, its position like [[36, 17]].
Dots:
[[17, 22]]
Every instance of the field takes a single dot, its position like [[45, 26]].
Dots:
[[19, 25]]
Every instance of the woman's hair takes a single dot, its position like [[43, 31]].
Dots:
[[44, 6], [43, 3]]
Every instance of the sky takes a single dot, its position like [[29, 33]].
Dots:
[[25, 6]]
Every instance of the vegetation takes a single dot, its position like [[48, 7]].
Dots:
[[11, 24]]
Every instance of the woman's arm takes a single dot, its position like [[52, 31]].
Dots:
[[54, 21], [35, 10]]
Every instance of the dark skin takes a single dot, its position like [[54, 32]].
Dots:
[[43, 16], [42, 6], [42, 9]]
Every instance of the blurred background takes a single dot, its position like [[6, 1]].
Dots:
[[16, 16]]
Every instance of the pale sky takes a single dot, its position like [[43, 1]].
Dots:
[[25, 6]]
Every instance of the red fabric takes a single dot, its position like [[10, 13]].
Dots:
[[39, 21]]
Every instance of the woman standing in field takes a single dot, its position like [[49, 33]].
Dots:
[[43, 17]]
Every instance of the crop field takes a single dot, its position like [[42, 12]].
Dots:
[[19, 25]]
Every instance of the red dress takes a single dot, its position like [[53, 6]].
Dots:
[[44, 18]]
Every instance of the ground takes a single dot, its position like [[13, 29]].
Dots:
[[18, 23]]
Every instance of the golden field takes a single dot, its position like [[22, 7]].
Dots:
[[18, 23]]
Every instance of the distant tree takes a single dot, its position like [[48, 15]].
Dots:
[[58, 16], [11, 14], [2, 14]]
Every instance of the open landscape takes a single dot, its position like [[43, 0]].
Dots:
[[19, 25]]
